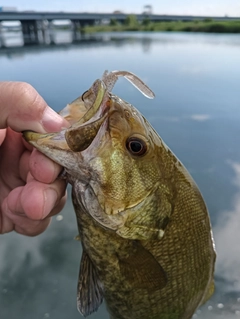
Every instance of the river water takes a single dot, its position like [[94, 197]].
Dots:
[[196, 78]]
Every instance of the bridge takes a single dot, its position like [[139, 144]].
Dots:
[[86, 17], [34, 24]]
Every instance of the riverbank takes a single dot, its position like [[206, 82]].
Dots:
[[131, 24]]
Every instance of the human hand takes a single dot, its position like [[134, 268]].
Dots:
[[29, 189]]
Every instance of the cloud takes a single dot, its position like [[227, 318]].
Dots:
[[200, 117], [227, 237]]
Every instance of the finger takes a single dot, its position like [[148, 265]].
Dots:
[[57, 209], [24, 165], [18, 221], [22, 108], [31, 227], [11, 153], [36, 200], [39, 199], [42, 168], [2, 135], [35, 227], [27, 145]]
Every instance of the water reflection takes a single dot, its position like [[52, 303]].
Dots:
[[14, 42], [50, 36], [226, 300], [227, 236], [193, 117]]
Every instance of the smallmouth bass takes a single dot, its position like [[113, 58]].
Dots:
[[146, 236]]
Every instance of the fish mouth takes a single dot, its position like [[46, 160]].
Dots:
[[80, 135], [80, 138]]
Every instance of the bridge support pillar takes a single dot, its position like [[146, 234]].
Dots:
[[76, 27], [30, 32], [2, 41], [42, 31], [49, 33]]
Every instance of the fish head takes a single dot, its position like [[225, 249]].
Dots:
[[123, 157], [115, 154]]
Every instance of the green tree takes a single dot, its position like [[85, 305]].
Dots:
[[146, 21], [207, 20], [131, 21], [113, 22]]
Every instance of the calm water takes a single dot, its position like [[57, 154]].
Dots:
[[196, 78]]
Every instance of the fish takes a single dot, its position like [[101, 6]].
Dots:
[[147, 243]]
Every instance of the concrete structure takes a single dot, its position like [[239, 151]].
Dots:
[[34, 24]]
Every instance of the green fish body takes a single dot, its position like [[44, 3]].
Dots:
[[146, 236]]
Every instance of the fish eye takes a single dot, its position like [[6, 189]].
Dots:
[[136, 146]]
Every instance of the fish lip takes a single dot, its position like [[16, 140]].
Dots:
[[98, 105], [54, 145]]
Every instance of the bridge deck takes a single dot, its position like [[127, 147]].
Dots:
[[21, 15]]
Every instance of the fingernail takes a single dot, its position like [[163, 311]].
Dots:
[[50, 200], [52, 122]]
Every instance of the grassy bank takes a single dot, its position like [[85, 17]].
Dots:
[[131, 24]]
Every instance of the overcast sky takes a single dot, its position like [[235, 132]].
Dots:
[[192, 7]]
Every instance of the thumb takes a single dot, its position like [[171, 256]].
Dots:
[[22, 108]]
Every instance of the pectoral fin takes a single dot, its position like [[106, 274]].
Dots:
[[142, 269], [90, 290]]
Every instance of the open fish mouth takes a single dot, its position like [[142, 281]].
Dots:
[[82, 132]]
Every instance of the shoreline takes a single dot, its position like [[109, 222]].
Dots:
[[131, 24]]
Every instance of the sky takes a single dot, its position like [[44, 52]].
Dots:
[[189, 7]]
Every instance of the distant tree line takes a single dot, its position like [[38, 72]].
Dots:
[[131, 23]]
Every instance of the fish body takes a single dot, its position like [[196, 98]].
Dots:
[[144, 227]]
